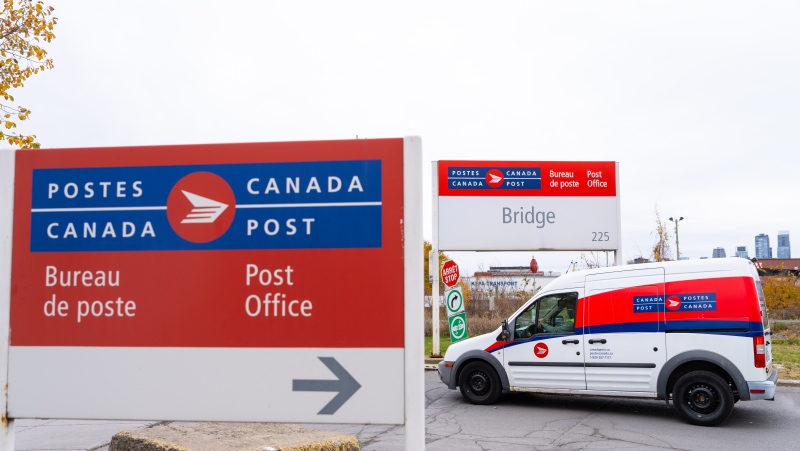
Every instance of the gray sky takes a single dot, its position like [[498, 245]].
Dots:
[[698, 101]]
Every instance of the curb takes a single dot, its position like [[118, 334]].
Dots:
[[232, 436], [788, 383]]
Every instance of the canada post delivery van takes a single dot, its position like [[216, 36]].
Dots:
[[695, 332]]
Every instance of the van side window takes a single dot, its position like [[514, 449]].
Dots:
[[557, 314], [552, 314]]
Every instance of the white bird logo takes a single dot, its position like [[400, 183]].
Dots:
[[205, 210], [673, 303], [495, 178], [540, 350]]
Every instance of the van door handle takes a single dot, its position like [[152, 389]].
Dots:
[[563, 342], [602, 341]]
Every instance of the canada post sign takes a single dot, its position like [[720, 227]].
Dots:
[[299, 205], [143, 276], [528, 205]]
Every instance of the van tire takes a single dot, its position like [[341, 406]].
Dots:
[[703, 398], [479, 383]]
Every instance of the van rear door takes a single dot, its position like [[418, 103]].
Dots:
[[624, 341]]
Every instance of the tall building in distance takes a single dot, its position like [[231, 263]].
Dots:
[[718, 252], [762, 246], [741, 251], [784, 250]]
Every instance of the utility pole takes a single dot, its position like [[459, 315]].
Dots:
[[677, 246]]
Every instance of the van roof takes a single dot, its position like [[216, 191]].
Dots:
[[577, 278]]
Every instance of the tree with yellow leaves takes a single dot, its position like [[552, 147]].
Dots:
[[24, 27]]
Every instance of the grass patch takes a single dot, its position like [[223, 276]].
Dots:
[[444, 343], [786, 349], [788, 357]]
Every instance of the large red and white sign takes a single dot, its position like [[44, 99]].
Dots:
[[528, 205], [213, 282]]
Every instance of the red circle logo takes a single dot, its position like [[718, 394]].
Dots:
[[540, 350], [201, 207], [494, 178], [673, 302]]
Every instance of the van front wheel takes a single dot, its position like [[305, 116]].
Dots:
[[479, 383], [703, 398]]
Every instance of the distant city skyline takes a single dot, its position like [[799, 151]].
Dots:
[[762, 247]]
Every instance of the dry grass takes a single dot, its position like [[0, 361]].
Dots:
[[479, 319]]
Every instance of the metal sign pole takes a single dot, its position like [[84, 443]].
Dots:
[[414, 292], [6, 223], [433, 261], [618, 250]]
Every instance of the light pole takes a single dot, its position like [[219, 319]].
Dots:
[[677, 246]]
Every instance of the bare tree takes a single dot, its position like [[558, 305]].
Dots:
[[661, 250]]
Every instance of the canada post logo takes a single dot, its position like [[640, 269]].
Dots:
[[675, 303], [201, 207], [300, 205], [460, 178]]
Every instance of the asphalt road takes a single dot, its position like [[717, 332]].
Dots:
[[516, 422], [549, 422]]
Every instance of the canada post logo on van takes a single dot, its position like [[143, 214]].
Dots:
[[494, 178], [675, 303], [301, 205]]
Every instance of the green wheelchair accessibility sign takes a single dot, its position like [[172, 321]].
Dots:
[[458, 327]]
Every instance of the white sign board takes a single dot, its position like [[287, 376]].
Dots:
[[512, 206]]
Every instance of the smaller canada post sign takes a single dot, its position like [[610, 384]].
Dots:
[[528, 205], [209, 282]]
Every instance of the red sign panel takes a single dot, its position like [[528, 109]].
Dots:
[[209, 246], [527, 178], [450, 273]]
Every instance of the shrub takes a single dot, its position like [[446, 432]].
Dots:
[[782, 295]]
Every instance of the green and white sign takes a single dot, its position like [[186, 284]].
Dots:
[[458, 327], [454, 299]]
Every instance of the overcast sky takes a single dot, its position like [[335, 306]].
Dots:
[[699, 102]]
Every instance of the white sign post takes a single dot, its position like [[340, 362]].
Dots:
[[6, 223]]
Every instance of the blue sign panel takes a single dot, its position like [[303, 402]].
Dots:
[[298, 205], [675, 303], [494, 178], [648, 304]]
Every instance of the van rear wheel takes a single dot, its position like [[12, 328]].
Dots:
[[703, 398], [479, 383]]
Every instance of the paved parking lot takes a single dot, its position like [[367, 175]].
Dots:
[[516, 422]]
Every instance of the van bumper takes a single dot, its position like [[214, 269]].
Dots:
[[445, 374], [764, 389]]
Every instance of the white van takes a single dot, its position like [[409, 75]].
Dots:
[[695, 332]]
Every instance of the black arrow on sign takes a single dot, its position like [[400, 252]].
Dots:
[[345, 385]]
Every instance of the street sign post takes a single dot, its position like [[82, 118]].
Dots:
[[184, 283]]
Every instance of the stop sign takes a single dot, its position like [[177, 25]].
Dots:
[[534, 266], [450, 273]]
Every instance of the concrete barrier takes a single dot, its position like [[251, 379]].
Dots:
[[232, 437]]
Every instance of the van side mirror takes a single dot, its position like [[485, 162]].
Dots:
[[505, 335]]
